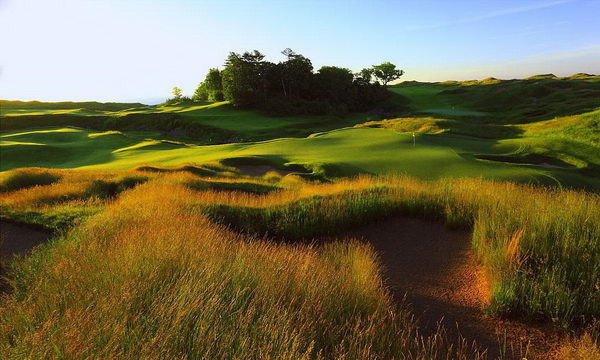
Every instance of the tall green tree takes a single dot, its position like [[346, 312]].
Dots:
[[214, 85], [201, 93], [365, 76], [244, 79], [334, 83], [387, 72], [296, 74]]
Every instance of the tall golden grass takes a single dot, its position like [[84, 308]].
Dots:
[[158, 271], [147, 278]]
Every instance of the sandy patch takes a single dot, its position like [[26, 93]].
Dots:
[[435, 269]]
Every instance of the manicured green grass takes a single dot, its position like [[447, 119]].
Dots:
[[344, 152], [467, 134], [427, 99], [241, 125], [66, 147]]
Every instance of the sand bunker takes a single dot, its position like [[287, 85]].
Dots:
[[18, 239], [434, 268]]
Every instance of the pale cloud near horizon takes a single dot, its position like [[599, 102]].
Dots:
[[495, 14], [586, 58]]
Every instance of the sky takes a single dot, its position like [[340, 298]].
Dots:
[[137, 50]]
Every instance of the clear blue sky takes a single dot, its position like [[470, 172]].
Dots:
[[123, 50]]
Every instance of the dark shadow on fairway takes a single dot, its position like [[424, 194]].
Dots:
[[260, 165]]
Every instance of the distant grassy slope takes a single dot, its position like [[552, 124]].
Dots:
[[540, 97], [225, 123], [426, 98], [15, 107]]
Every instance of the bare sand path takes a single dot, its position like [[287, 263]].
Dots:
[[435, 269]]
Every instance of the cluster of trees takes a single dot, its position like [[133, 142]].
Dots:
[[292, 86]]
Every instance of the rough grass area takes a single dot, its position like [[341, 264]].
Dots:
[[125, 281], [147, 278], [563, 229], [544, 265], [584, 347], [76, 195]]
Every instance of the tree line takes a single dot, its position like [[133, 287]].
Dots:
[[292, 87]]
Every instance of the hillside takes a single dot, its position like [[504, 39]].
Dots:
[[440, 225], [458, 133]]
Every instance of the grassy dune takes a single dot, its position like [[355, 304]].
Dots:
[[514, 101]]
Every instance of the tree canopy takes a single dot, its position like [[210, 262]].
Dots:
[[211, 88], [387, 72], [293, 87]]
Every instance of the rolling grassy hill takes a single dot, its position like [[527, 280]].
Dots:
[[187, 121], [461, 131], [165, 250], [540, 97], [344, 152]]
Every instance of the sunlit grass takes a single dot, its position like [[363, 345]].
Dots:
[[148, 279], [153, 272]]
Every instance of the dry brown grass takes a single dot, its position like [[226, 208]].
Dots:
[[150, 276]]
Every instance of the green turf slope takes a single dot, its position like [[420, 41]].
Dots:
[[517, 101], [343, 152], [543, 129], [232, 125], [426, 98]]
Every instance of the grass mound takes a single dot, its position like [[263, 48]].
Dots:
[[193, 169], [24, 178], [551, 276]]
